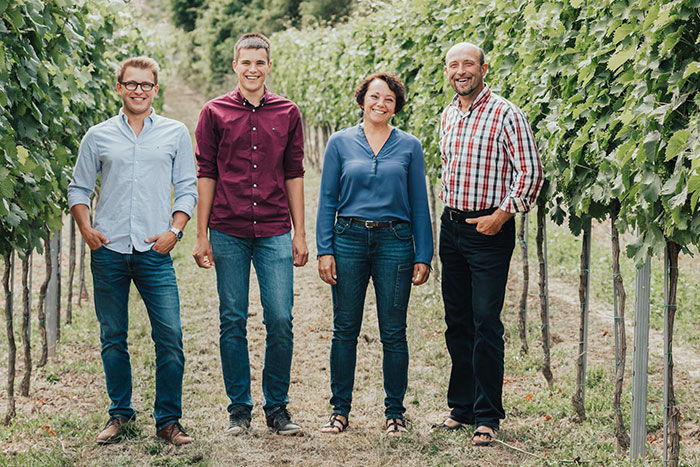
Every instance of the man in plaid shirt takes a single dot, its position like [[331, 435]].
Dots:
[[490, 170]]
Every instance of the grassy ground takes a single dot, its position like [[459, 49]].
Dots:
[[67, 407]]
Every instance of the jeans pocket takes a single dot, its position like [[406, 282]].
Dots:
[[403, 231], [340, 226], [402, 288]]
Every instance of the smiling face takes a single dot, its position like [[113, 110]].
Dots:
[[379, 104], [252, 67], [465, 71], [137, 103]]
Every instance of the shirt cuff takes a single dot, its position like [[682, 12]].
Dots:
[[78, 196], [514, 205], [185, 204]]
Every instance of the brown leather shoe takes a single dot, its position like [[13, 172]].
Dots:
[[175, 434], [111, 433]]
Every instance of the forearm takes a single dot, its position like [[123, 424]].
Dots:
[[295, 196], [81, 214], [205, 189], [180, 220]]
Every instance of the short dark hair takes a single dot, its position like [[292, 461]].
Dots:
[[252, 40], [391, 80]]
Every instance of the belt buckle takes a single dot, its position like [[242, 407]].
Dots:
[[370, 224]]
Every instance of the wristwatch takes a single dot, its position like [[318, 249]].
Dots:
[[178, 233]]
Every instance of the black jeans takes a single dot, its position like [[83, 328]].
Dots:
[[474, 275]]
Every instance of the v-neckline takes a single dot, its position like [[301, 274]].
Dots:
[[364, 135]]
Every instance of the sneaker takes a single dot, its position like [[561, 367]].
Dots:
[[175, 434], [281, 422], [113, 430], [238, 422]]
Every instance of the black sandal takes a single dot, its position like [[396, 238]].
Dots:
[[394, 426], [332, 425], [491, 437]]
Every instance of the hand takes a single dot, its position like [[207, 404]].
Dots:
[[300, 250], [94, 238], [421, 272], [202, 253], [326, 269], [491, 224], [163, 242]]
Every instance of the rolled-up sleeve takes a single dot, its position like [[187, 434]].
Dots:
[[525, 163], [207, 145], [84, 173], [294, 152], [184, 175]]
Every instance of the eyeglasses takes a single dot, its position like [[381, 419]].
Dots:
[[146, 86]]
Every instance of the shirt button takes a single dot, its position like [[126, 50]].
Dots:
[[255, 185], [253, 110], [255, 222], [255, 166], [254, 128], [255, 147], [255, 204]]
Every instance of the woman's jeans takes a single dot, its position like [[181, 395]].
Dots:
[[273, 262], [154, 277], [385, 254]]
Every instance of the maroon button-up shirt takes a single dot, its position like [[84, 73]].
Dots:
[[250, 152]]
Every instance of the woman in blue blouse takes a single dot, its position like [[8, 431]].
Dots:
[[374, 181]]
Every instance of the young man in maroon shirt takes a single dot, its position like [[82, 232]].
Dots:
[[250, 151]]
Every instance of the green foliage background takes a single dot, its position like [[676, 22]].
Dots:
[[57, 64], [610, 88], [214, 26]]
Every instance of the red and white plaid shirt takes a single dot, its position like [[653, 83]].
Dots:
[[489, 157]]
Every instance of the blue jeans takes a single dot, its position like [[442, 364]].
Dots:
[[274, 266], [385, 254], [154, 277], [474, 275]]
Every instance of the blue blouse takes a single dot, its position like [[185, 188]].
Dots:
[[390, 186]]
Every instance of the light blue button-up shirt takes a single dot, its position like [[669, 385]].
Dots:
[[137, 175]]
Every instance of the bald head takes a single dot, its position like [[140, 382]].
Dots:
[[465, 48]]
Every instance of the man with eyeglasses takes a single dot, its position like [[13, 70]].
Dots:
[[140, 156]]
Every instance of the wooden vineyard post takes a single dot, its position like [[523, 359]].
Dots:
[[53, 296], [619, 300], [672, 414], [541, 241], [640, 362], [8, 286], [522, 315], [579, 397], [71, 271]]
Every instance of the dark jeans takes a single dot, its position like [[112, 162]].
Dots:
[[474, 275], [154, 277], [386, 255]]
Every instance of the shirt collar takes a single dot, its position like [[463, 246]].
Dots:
[[238, 97], [151, 117], [481, 99]]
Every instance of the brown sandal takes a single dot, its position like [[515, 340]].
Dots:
[[395, 426], [335, 424]]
